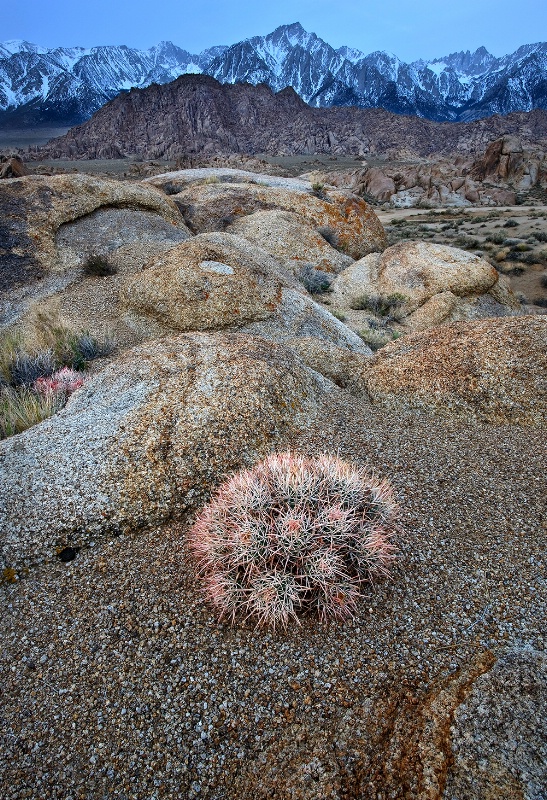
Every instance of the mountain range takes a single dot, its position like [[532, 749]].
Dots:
[[67, 85]]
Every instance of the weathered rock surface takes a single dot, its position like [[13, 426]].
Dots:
[[285, 236], [435, 283], [149, 438], [491, 369], [212, 281], [176, 181], [210, 206], [12, 167], [499, 733], [125, 236], [35, 210], [299, 317]]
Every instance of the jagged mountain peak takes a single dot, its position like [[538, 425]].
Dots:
[[68, 84]]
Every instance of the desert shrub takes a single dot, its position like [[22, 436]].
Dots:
[[339, 315], [211, 179], [390, 305], [25, 405], [99, 266], [318, 189], [496, 238], [294, 534], [375, 338], [315, 281], [522, 247], [529, 258], [466, 243], [511, 223], [541, 236], [543, 281], [541, 301]]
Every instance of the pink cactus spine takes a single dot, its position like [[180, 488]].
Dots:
[[294, 534]]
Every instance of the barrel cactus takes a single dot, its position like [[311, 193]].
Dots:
[[292, 535]]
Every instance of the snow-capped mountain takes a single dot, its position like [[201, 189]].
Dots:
[[67, 85]]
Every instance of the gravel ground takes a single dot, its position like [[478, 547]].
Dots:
[[118, 682]]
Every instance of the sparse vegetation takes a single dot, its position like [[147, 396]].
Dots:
[[315, 281], [511, 223], [294, 535], [339, 315], [387, 306], [99, 265], [36, 380], [318, 189]]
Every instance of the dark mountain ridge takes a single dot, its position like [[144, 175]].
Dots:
[[197, 114]]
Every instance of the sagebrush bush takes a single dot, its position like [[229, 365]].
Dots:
[[315, 281], [390, 306], [294, 534]]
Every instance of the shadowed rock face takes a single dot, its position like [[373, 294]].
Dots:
[[149, 438], [491, 369]]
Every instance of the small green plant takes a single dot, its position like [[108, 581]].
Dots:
[[339, 315], [390, 306], [318, 189], [374, 339], [99, 265], [211, 179], [292, 535]]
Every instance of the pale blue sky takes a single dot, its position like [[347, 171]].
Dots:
[[409, 28]]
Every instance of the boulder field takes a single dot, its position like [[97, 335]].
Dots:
[[436, 689]]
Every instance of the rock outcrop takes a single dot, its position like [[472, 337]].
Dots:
[[297, 245], [12, 167], [299, 317], [492, 369], [433, 284], [217, 202], [212, 281], [196, 114], [149, 438], [48, 227]]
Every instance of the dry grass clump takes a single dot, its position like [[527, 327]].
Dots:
[[294, 534]]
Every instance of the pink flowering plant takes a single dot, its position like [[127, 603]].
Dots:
[[63, 383], [294, 534]]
